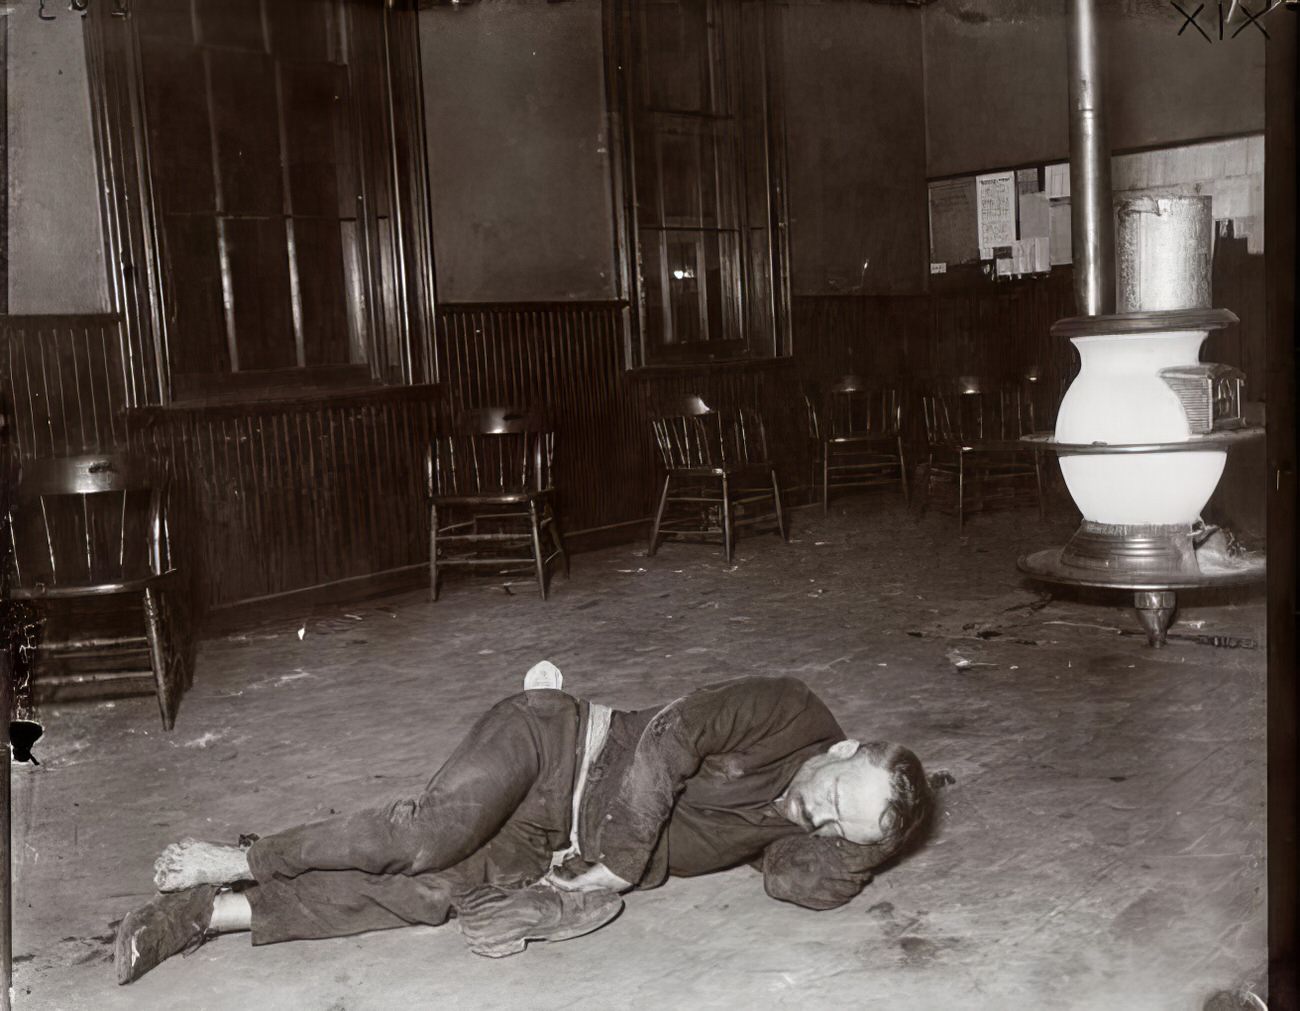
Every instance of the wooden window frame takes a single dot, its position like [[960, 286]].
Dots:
[[642, 349], [398, 280]]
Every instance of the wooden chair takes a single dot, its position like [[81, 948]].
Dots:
[[858, 433], [490, 490], [973, 432], [712, 460], [96, 526]]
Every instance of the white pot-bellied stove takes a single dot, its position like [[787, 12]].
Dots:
[[1144, 431]]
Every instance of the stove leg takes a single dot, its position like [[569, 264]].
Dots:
[[1155, 611]]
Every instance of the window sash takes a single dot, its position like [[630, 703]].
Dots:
[[701, 134]]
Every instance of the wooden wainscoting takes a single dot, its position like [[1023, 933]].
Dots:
[[569, 357], [292, 496], [325, 491]]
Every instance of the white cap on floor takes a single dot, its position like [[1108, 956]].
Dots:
[[543, 675]]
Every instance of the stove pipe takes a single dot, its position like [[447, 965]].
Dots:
[[1092, 223]]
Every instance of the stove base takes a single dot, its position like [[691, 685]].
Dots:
[[1154, 594]]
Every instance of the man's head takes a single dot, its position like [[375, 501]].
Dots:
[[870, 794]]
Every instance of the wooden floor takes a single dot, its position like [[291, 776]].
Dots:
[[1102, 845]]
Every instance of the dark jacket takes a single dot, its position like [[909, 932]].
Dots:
[[688, 788]]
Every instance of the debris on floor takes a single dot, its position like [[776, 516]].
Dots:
[[963, 663]]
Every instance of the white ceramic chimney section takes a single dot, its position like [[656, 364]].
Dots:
[[1120, 398], [1164, 263]]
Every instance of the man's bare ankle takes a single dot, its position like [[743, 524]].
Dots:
[[231, 912]]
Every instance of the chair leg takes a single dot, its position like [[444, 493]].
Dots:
[[961, 490], [826, 478], [776, 499], [433, 553], [659, 516], [549, 516], [902, 473], [726, 518], [1038, 482], [157, 656], [539, 560]]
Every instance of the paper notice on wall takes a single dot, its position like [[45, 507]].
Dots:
[[1020, 257], [1231, 198], [1029, 256], [952, 221], [1027, 181], [1042, 254], [1057, 181], [995, 206], [1059, 223], [1034, 215]]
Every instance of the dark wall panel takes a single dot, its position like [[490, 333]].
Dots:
[[996, 82], [519, 165], [854, 109]]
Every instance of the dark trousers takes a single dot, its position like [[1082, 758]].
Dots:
[[493, 813]]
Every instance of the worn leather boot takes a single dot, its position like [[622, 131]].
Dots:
[[501, 921], [171, 923]]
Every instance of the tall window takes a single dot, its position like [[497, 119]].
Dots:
[[701, 177], [270, 137]]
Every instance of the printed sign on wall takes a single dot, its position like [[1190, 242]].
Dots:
[[995, 208]]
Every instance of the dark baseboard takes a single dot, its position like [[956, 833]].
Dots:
[[244, 614]]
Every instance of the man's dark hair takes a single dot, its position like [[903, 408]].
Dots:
[[912, 800]]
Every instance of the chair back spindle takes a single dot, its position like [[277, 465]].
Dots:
[[89, 520], [694, 436], [491, 451], [853, 409]]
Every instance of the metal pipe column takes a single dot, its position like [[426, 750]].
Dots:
[[6, 883], [1092, 213]]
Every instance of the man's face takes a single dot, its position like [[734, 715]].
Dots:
[[840, 794]]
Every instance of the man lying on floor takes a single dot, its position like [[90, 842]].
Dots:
[[550, 808]]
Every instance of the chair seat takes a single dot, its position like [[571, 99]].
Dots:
[[728, 470], [493, 498], [840, 440], [69, 591]]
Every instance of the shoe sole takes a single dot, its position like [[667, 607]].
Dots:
[[123, 960], [514, 947]]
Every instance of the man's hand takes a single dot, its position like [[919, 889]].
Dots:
[[580, 876]]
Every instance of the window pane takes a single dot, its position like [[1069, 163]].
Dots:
[[692, 183], [179, 136], [758, 309], [681, 176], [304, 29], [654, 289], [233, 23], [314, 95], [321, 288], [693, 283], [259, 290], [685, 279], [674, 55], [248, 136], [190, 248]]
